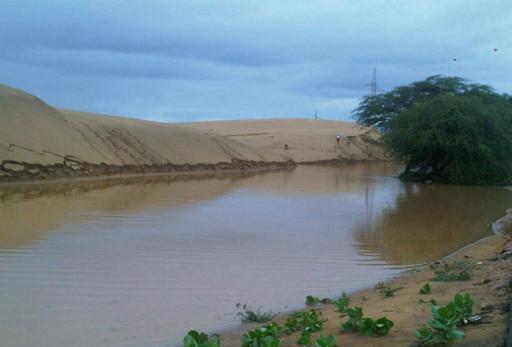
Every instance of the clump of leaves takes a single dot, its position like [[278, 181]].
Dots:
[[267, 336], [426, 289], [308, 320], [326, 341], [304, 339], [368, 326], [443, 328], [463, 305], [291, 325], [355, 320], [312, 300], [450, 272], [197, 339], [341, 303], [249, 314], [379, 327]]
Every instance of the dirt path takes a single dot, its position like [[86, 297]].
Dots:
[[489, 287]]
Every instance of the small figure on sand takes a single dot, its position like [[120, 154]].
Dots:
[[338, 139]]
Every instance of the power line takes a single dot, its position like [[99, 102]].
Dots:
[[373, 84]]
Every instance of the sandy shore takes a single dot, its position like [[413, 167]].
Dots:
[[489, 287], [40, 142], [301, 140]]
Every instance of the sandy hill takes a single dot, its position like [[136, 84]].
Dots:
[[34, 133], [40, 141], [307, 140]]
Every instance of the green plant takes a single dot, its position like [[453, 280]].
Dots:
[[307, 320], [425, 290], [291, 325], [305, 338], [443, 328], [341, 303], [267, 336], [379, 327], [326, 341], [445, 129], [449, 272], [368, 326], [249, 314], [312, 300], [463, 305], [355, 320], [196, 339], [433, 302]]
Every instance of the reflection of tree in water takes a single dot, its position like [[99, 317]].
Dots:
[[429, 221]]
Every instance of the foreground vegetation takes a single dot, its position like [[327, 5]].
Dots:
[[441, 330], [446, 130]]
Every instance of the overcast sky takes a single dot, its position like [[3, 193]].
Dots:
[[172, 60]]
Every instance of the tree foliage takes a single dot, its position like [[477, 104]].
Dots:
[[379, 110], [446, 130]]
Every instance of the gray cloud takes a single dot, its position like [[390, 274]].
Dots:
[[186, 60]]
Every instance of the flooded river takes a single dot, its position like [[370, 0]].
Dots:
[[138, 262]]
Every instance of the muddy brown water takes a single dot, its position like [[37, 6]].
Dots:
[[140, 261]]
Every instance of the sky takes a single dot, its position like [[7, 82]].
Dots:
[[191, 60]]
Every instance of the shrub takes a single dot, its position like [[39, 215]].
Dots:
[[367, 326], [355, 320], [341, 303], [326, 341], [305, 338], [196, 339], [312, 300], [425, 290], [379, 327], [267, 336], [443, 328], [309, 320]]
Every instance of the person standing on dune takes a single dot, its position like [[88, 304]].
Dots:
[[338, 139]]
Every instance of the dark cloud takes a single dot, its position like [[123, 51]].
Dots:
[[185, 60]]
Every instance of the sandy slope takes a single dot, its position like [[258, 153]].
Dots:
[[40, 141], [307, 139], [33, 131]]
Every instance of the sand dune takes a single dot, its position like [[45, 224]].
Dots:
[[39, 141], [308, 140]]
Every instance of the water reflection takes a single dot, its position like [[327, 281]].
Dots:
[[426, 222], [27, 211]]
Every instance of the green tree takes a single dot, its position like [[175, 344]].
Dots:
[[455, 138], [379, 110]]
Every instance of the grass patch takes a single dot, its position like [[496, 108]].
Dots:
[[451, 272], [250, 314]]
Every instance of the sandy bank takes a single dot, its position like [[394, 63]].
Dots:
[[489, 287], [38, 141], [307, 140]]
